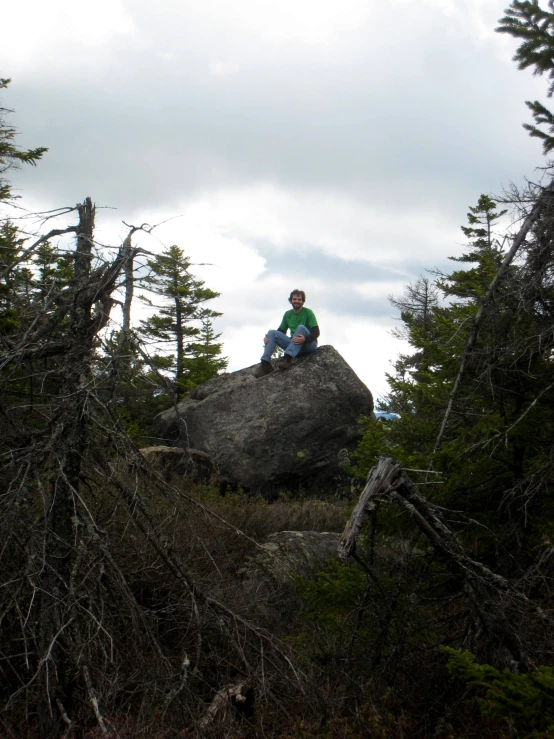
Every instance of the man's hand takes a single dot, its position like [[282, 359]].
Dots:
[[298, 339], [266, 340]]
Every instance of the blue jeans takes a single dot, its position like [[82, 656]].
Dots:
[[278, 338]]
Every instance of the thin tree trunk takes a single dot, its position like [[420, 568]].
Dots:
[[180, 344], [129, 287]]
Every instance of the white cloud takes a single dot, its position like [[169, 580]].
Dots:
[[335, 223], [290, 135], [32, 30], [311, 22], [223, 69], [367, 346]]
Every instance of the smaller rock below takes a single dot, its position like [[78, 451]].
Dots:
[[171, 462], [288, 553]]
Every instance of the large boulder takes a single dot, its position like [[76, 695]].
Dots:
[[291, 430]]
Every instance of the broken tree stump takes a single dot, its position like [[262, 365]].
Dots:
[[499, 605]]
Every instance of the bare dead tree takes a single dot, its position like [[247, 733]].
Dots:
[[129, 277], [502, 611], [63, 524], [107, 584]]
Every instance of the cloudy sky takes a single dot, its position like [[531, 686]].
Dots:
[[328, 145]]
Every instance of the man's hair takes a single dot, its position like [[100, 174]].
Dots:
[[298, 292]]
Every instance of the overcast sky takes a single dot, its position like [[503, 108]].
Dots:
[[328, 145]]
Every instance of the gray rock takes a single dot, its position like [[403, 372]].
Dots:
[[268, 575], [288, 553], [290, 430], [182, 463]]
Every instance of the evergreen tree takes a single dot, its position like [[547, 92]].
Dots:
[[525, 701], [11, 156], [416, 303], [416, 313], [14, 281], [182, 319], [485, 251], [534, 26], [205, 361], [495, 458], [54, 269]]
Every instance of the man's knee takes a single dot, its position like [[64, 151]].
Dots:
[[302, 330], [271, 333]]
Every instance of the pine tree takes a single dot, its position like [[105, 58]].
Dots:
[[14, 281], [11, 156], [55, 269], [181, 319], [417, 302], [416, 314], [496, 452], [205, 361], [484, 250], [534, 26]]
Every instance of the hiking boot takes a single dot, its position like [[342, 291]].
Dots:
[[264, 369], [284, 363]]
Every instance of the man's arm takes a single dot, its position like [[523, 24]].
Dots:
[[314, 329], [314, 333]]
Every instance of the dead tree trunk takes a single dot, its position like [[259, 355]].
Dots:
[[128, 254], [90, 305], [129, 287], [62, 534], [499, 606]]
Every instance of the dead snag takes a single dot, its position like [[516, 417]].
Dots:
[[89, 302], [63, 529], [499, 606], [379, 483]]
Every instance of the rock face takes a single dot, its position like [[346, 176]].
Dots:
[[288, 553], [190, 463], [290, 430]]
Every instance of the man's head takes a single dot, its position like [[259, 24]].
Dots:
[[297, 298]]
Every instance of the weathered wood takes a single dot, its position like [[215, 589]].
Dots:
[[63, 530], [223, 699], [382, 479], [87, 305]]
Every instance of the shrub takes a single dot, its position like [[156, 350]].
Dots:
[[526, 701]]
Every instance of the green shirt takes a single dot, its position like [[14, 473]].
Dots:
[[292, 320]]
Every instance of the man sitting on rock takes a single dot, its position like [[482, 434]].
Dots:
[[303, 330]]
